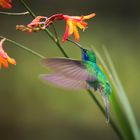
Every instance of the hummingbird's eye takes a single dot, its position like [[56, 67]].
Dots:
[[85, 50]]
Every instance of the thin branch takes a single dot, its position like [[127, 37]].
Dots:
[[55, 32], [15, 14], [112, 123], [24, 47], [27, 8]]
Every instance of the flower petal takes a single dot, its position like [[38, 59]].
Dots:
[[72, 22], [11, 60], [4, 58], [89, 16], [6, 4], [70, 25], [82, 25], [69, 30], [3, 62], [37, 22], [76, 33]]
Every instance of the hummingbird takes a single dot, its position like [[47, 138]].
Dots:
[[79, 74]]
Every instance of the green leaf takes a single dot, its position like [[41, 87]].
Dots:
[[119, 101]]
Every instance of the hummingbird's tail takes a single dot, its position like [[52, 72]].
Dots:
[[106, 103]]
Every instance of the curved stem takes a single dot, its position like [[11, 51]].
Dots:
[[15, 14], [23, 47], [123, 98], [58, 42], [55, 32], [62, 50], [112, 123], [27, 8], [124, 124]]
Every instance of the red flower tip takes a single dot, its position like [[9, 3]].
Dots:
[[4, 58], [7, 4], [38, 22]]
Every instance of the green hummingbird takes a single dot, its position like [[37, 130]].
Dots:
[[79, 74]]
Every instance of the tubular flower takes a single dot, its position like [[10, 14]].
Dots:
[[4, 58], [39, 23], [6, 4], [72, 22]]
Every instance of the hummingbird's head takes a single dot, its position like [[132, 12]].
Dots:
[[88, 55]]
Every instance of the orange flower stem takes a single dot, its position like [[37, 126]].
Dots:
[[23, 47], [15, 14]]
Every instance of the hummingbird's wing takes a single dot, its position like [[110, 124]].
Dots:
[[64, 82], [74, 69]]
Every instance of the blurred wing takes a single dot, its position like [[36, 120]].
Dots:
[[71, 68], [64, 82]]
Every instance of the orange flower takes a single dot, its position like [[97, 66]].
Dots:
[[72, 22], [6, 4], [4, 58]]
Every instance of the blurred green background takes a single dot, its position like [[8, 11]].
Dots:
[[32, 110]]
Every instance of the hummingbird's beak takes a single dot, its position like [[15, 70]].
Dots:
[[77, 44]]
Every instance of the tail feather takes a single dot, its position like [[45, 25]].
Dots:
[[106, 103]]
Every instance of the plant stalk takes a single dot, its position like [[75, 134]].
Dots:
[[123, 98], [15, 14], [24, 48]]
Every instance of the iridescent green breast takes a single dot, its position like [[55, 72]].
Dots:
[[98, 80]]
